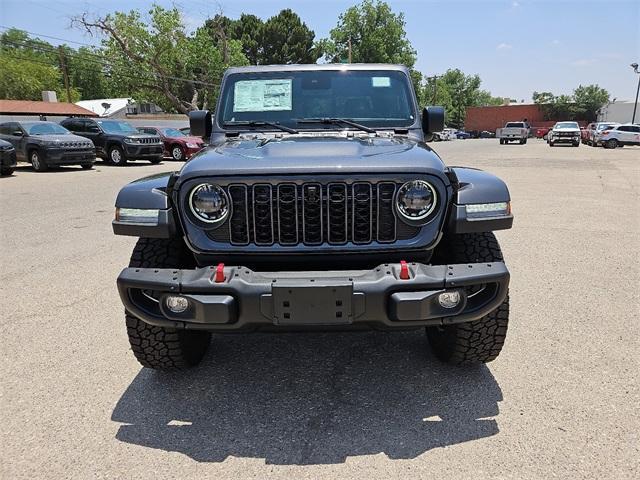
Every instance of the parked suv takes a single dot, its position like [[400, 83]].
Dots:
[[620, 135], [177, 145], [117, 141], [47, 144], [595, 129], [564, 132], [317, 205], [7, 158]]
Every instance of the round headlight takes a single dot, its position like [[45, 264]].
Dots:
[[209, 203], [416, 200]]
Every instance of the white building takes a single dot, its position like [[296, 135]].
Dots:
[[620, 112], [119, 107]]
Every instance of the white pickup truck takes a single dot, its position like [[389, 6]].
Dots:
[[513, 131]]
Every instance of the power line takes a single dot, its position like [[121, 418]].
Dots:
[[3, 27]]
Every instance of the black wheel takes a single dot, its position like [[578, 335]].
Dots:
[[471, 342], [524, 141], [157, 347], [501, 142], [87, 166], [177, 153], [613, 143], [116, 156], [155, 161], [36, 161], [577, 144], [5, 172], [551, 144]]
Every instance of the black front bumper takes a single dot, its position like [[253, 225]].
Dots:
[[144, 151], [69, 157], [8, 158], [246, 300]]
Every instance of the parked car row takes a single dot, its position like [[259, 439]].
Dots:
[[612, 135], [78, 141]]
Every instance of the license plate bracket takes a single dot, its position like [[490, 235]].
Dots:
[[312, 304]]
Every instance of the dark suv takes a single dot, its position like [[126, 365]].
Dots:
[[317, 205], [117, 141], [47, 144], [7, 158]]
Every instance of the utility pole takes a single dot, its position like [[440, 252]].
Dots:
[[349, 48], [65, 72], [635, 105]]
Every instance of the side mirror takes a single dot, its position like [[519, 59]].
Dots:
[[17, 133], [200, 123], [432, 120]]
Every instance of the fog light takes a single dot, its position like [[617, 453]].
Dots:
[[177, 304], [449, 299]]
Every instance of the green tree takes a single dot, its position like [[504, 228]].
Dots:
[[375, 33], [87, 73], [589, 99], [282, 39], [155, 59], [456, 91]]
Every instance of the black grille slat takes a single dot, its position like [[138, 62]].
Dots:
[[312, 213], [337, 201], [239, 223], [362, 213], [263, 214], [386, 217], [287, 214]]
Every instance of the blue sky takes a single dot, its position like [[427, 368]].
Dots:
[[516, 46]]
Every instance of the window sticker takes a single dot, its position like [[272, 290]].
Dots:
[[262, 95], [380, 81]]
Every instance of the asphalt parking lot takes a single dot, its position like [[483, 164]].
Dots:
[[561, 400]]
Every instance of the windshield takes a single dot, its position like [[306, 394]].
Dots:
[[371, 98], [567, 125], [114, 126], [45, 128], [606, 126], [172, 132]]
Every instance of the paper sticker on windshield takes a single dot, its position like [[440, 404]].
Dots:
[[262, 95], [380, 81]]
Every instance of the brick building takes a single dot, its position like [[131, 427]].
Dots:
[[492, 118]]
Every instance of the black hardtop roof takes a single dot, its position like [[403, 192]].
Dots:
[[317, 67]]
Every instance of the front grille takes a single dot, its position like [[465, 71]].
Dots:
[[312, 213], [149, 140]]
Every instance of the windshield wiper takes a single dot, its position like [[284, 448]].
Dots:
[[259, 123], [335, 121]]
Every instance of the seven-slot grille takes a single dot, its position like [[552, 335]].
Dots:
[[149, 139], [312, 213]]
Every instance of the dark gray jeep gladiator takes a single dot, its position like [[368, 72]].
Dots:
[[316, 205]]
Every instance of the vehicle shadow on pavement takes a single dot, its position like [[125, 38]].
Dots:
[[315, 398]]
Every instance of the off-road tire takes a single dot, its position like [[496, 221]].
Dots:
[[155, 161], [163, 348], [5, 172], [479, 341]]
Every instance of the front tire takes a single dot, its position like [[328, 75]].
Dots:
[[613, 143], [177, 153], [163, 348], [482, 340], [36, 161], [116, 156], [87, 166]]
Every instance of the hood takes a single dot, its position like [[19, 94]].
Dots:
[[186, 139], [566, 129], [300, 154], [62, 138]]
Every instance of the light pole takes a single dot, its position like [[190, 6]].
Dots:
[[635, 105]]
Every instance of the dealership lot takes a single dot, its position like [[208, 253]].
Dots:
[[561, 400]]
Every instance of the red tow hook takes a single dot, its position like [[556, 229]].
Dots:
[[219, 276], [404, 270]]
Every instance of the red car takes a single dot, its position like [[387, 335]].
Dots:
[[177, 145], [541, 132]]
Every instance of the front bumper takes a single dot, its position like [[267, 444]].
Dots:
[[69, 157], [377, 298], [8, 158], [565, 139], [144, 150]]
